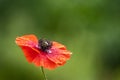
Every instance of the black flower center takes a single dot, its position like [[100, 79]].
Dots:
[[44, 44]]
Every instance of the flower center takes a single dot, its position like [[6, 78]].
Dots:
[[44, 44]]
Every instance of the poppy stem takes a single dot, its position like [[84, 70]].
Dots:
[[45, 78]]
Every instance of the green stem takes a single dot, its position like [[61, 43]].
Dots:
[[45, 78]]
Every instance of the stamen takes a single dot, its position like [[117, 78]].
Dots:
[[44, 44]]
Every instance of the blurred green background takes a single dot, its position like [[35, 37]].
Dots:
[[89, 28]]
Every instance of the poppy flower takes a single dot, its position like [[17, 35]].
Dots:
[[45, 53]]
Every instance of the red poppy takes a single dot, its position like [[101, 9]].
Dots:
[[49, 54]]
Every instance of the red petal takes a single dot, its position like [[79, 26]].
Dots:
[[39, 59], [58, 45], [59, 56], [27, 40], [30, 53], [42, 60]]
